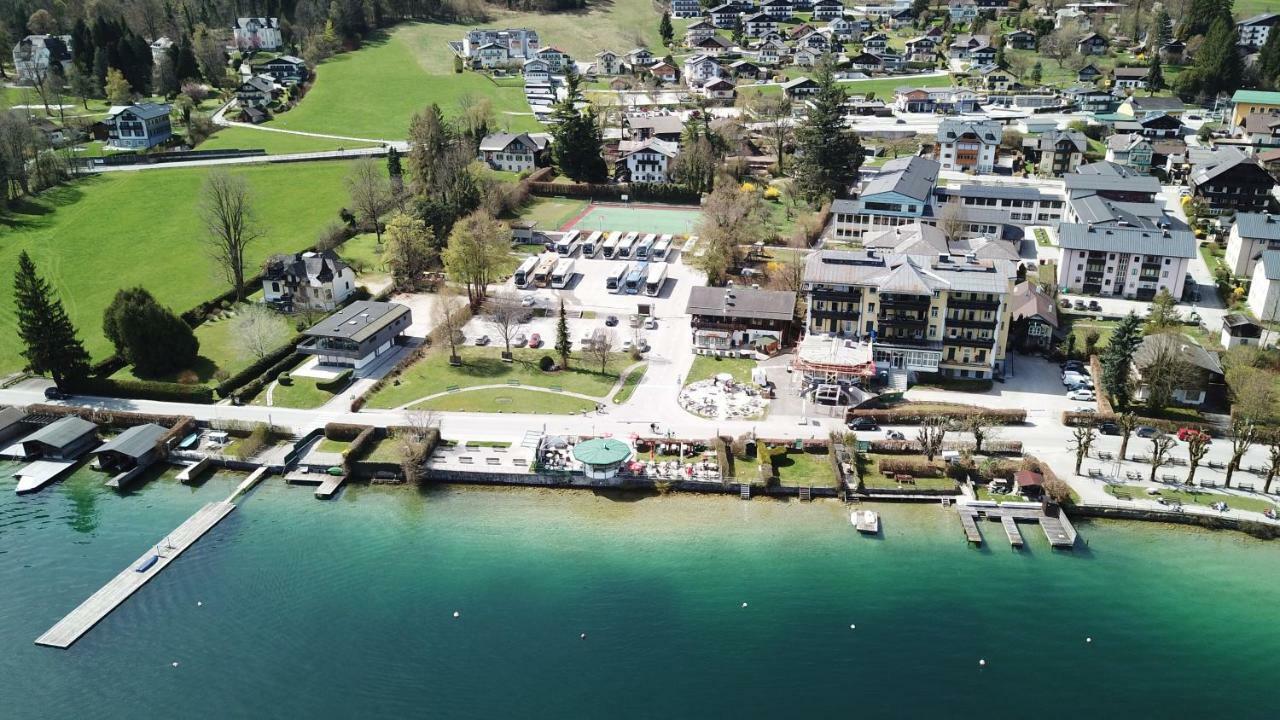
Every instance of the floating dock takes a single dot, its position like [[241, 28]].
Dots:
[[971, 531], [195, 469], [118, 589], [1011, 529], [39, 473], [1057, 528], [326, 485]]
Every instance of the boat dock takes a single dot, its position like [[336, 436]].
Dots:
[[118, 589], [1011, 529], [195, 469], [39, 473], [971, 531], [327, 485], [1057, 528]]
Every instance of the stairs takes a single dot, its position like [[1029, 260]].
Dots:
[[806, 494], [744, 491]]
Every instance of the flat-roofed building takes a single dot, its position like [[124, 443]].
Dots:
[[358, 334]]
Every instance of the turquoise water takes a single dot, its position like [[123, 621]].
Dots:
[[345, 609]]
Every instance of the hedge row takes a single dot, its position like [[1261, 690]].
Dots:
[[992, 447], [337, 382], [144, 390], [258, 368], [359, 448], [342, 432], [1079, 419], [1104, 402], [724, 459], [119, 419], [254, 386], [108, 366], [663, 192], [910, 415], [914, 468]]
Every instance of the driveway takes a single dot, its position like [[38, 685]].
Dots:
[[1035, 384]]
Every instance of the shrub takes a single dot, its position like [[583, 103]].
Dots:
[[911, 414], [336, 383], [914, 468], [258, 438], [343, 432], [284, 379], [254, 386], [546, 363], [269, 365], [144, 390]]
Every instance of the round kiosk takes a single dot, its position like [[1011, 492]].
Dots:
[[601, 457]]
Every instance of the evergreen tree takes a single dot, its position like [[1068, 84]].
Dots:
[[1269, 61], [665, 30], [563, 345], [577, 136], [828, 154], [43, 326], [185, 65], [1201, 16], [150, 336], [1117, 359], [1037, 73], [1218, 66], [1161, 30], [1155, 74], [739, 33]]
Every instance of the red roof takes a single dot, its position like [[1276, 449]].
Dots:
[[1026, 478]]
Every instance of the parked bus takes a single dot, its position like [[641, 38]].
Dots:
[[613, 281], [656, 279], [634, 281], [524, 274], [662, 248], [644, 246], [562, 274], [567, 244], [591, 245], [626, 245], [611, 245], [542, 273]]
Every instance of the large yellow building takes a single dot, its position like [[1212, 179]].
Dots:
[[1253, 102]]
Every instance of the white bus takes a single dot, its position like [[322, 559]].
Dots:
[[611, 245], [524, 274], [562, 274], [542, 273], [656, 279], [662, 248], [634, 281], [628, 242], [644, 246], [591, 245], [567, 244], [613, 281]]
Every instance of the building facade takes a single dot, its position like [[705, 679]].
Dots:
[[358, 334], [138, 127], [968, 145], [257, 33]]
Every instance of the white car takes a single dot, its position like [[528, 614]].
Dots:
[[651, 324], [528, 301], [627, 345], [520, 340], [1075, 378], [1081, 394]]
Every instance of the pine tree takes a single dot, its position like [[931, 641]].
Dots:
[[1201, 16], [43, 326], [1037, 73], [150, 336], [1155, 74], [577, 136], [1269, 61], [1218, 66], [665, 30], [1117, 359], [1161, 30], [828, 154], [563, 345]]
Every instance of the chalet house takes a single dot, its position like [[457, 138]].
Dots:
[[968, 145], [893, 61], [962, 11], [640, 57], [993, 78], [844, 29], [800, 32], [720, 89], [714, 45], [964, 43], [557, 60], [698, 31], [521, 43], [866, 62], [726, 319], [1020, 39], [939, 100], [1261, 130], [759, 25], [1139, 106], [1056, 152], [876, 43], [668, 128], [308, 281], [1132, 150], [489, 56], [778, 9], [257, 33], [650, 162], [512, 152], [700, 69], [1204, 375], [1235, 184], [665, 72], [138, 127], [921, 49], [804, 57], [746, 69], [35, 54], [1033, 317], [1091, 100], [725, 16], [286, 70], [1154, 126], [1093, 44], [537, 72], [357, 335], [901, 19], [686, 9], [817, 42], [1130, 78], [771, 52], [258, 91], [1088, 74], [609, 62], [825, 10], [801, 87], [1251, 235], [1254, 31], [984, 55]]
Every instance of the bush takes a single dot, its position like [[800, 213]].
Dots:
[[914, 468], [336, 383], [284, 379], [258, 438], [254, 386], [546, 363], [144, 390], [911, 414]]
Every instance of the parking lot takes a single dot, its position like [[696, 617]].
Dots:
[[1034, 385]]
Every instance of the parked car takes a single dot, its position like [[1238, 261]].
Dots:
[[482, 340], [1079, 305], [1146, 431], [1072, 365], [1085, 384], [1074, 378], [863, 423], [1109, 428], [535, 340], [528, 301], [894, 435], [1095, 306], [1186, 433], [611, 321], [1081, 394], [627, 345], [651, 323], [520, 340], [1064, 303], [53, 393]]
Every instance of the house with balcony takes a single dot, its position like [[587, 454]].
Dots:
[[358, 334], [257, 33], [1202, 379], [758, 25], [825, 10], [1251, 235], [968, 145], [1123, 261], [740, 320], [781, 10], [1020, 39], [1254, 31], [1008, 204], [921, 49], [1093, 44], [651, 161], [1132, 150], [962, 11], [315, 281], [138, 127], [286, 70], [1236, 183], [901, 193], [1130, 78], [1253, 102], [1056, 152], [701, 69], [1033, 317], [521, 43], [686, 9], [35, 55]]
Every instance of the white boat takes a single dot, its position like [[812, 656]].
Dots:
[[867, 521]]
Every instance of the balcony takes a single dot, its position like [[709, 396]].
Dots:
[[971, 342], [908, 342], [329, 346], [975, 323], [910, 320], [836, 295], [973, 304], [906, 302]]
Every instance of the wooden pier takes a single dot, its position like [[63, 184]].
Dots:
[[1057, 528], [1011, 529], [118, 589], [194, 469], [971, 531], [330, 486]]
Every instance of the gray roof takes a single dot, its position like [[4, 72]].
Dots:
[[1271, 264], [1204, 174], [145, 111], [1188, 350], [10, 417], [912, 176], [1156, 102], [1132, 73], [1098, 210], [741, 302], [63, 432], [1002, 192], [1263, 226], [659, 124], [359, 320], [1029, 302], [259, 83], [988, 132], [321, 266], [1108, 176], [882, 270], [136, 441], [1168, 243], [499, 142], [1050, 140]]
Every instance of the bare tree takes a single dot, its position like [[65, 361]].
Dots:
[[370, 191], [409, 252], [1061, 43], [478, 246], [1161, 445], [1082, 437], [982, 429], [415, 443], [1127, 422], [1243, 433], [773, 113], [601, 347], [1164, 370], [448, 321], [502, 312], [1197, 447], [258, 330], [953, 221], [226, 206], [930, 436], [1273, 465]]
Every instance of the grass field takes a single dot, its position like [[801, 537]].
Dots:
[[1189, 497], [804, 469], [629, 384], [362, 253], [674, 221], [509, 400], [274, 143], [112, 231], [706, 367], [880, 88], [551, 213]]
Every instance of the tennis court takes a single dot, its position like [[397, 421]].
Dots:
[[640, 218]]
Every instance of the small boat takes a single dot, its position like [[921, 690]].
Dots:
[[145, 565], [189, 441], [867, 521]]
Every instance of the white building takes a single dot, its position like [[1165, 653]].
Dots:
[[1250, 236], [34, 54], [308, 281], [1124, 262], [257, 33], [1264, 291], [1254, 31], [968, 145], [513, 152], [700, 69], [521, 43], [609, 62], [137, 127], [650, 161], [686, 9]]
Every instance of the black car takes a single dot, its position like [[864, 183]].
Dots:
[[1095, 305], [863, 423], [1109, 428], [611, 320], [53, 393], [1146, 431], [1071, 366]]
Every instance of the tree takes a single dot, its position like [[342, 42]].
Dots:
[[1161, 446], [1163, 314], [695, 166], [211, 56], [563, 346], [1161, 30], [1200, 16], [1197, 447], [600, 349], [1268, 62], [829, 154], [1082, 437], [577, 137], [982, 429], [45, 329], [1243, 433], [42, 23], [478, 246], [410, 250], [918, 7], [1117, 359], [117, 88], [370, 192], [148, 335], [1127, 422], [953, 221], [665, 31], [448, 321], [1037, 73], [1155, 75], [930, 436], [258, 330], [1061, 43], [773, 115], [1218, 67], [503, 313], [1164, 370], [80, 84], [1273, 464], [415, 440], [731, 217], [226, 206], [395, 171]]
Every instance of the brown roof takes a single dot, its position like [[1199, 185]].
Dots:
[[1026, 478], [1028, 301]]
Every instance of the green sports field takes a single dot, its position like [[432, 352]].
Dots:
[[647, 218]]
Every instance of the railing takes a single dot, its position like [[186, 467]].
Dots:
[[974, 304], [970, 342]]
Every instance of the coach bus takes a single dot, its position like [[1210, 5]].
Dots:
[[591, 245], [627, 244], [562, 274], [613, 281], [645, 246], [656, 279], [524, 274], [662, 248], [611, 245]]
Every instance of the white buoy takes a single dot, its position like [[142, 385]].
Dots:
[[456, 613], [583, 636], [982, 663], [175, 664], [853, 627], [1088, 639], [744, 604], [199, 604]]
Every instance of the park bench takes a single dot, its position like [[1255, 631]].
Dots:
[[1215, 465], [1245, 486], [1169, 479], [1132, 475], [520, 462], [1176, 461], [1095, 473], [467, 460], [1208, 484]]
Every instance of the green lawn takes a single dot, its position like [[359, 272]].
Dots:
[[804, 469], [363, 254], [705, 367], [218, 351], [1190, 497], [275, 143], [333, 446], [629, 385], [873, 479], [387, 450], [300, 393], [985, 494], [116, 230], [1080, 326], [484, 366], [552, 213], [509, 400]]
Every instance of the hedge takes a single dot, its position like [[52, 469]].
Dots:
[[909, 414], [342, 432], [359, 448], [664, 192], [1078, 419], [107, 367], [144, 390], [258, 368], [254, 386], [724, 458], [337, 382], [914, 468]]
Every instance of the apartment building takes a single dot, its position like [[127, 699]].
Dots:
[[902, 192], [1124, 261], [968, 145], [1251, 235]]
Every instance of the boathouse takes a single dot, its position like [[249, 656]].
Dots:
[[65, 439], [11, 425], [139, 446]]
